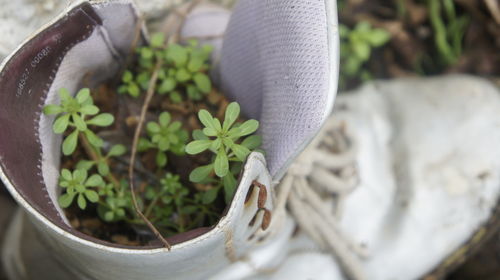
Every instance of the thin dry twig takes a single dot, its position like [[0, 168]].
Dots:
[[142, 118], [138, 129]]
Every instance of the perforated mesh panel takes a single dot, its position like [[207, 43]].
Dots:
[[275, 63]]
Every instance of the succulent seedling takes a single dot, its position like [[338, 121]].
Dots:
[[226, 143], [164, 135], [73, 112], [184, 69], [356, 47], [79, 185]]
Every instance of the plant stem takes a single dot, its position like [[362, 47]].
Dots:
[[95, 156], [138, 129]]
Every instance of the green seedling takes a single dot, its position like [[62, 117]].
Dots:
[[164, 136], [73, 113], [356, 47], [184, 69], [79, 185], [226, 143]]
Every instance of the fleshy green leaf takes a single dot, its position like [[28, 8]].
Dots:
[[104, 119], [202, 82], [85, 164], [82, 203], [161, 159], [92, 196], [83, 95], [209, 196], [117, 150], [230, 185], [143, 145], [252, 142], [177, 54], [80, 175], [231, 115], [164, 119], [167, 85], [127, 77], [146, 53], [208, 131], [133, 90], [199, 135], [216, 144], [79, 123], [197, 146], [200, 173], [153, 127], [64, 94], [248, 127], [240, 151], [164, 144], [221, 164], [195, 63], [89, 110], [66, 174], [206, 118], [378, 37], [176, 97], [52, 109], [182, 75], [157, 40], [69, 144], [103, 168], [193, 92], [362, 50], [65, 200], [61, 124], [109, 216], [93, 139]]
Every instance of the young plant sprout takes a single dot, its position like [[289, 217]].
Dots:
[[184, 70], [356, 47], [78, 185], [175, 195], [73, 112], [164, 136], [225, 142]]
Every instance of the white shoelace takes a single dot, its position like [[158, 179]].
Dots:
[[314, 189]]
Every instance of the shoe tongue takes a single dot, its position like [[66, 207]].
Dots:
[[279, 61]]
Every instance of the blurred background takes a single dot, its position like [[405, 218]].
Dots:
[[382, 39]]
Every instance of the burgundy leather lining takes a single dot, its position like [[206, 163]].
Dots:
[[24, 84]]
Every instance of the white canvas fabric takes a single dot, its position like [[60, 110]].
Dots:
[[279, 61], [404, 178]]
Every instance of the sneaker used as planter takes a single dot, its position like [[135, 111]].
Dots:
[[403, 181], [279, 61]]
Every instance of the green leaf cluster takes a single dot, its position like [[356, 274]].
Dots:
[[356, 47], [225, 141], [164, 135], [171, 206], [80, 113], [184, 70], [115, 202], [79, 185], [73, 113]]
